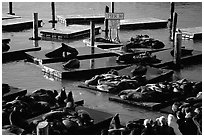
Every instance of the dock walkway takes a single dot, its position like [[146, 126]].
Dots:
[[88, 68], [80, 19]]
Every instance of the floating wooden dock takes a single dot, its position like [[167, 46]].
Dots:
[[143, 23], [80, 19], [167, 59], [101, 121], [8, 16], [192, 33], [18, 24], [70, 32], [153, 75], [13, 93], [84, 53], [14, 55], [88, 68]]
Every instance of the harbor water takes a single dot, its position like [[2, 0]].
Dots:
[[29, 76]]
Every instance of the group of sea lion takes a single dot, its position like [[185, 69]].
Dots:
[[161, 92], [15, 113], [143, 41], [113, 83]]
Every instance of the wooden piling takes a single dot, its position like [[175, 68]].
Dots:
[[177, 49], [106, 23], [35, 27], [112, 7], [11, 9], [172, 14], [53, 14], [174, 27], [92, 32]]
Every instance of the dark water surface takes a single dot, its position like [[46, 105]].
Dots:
[[29, 76]]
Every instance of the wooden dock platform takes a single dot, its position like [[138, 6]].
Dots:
[[70, 32], [84, 53], [143, 23], [192, 33], [80, 19], [8, 16], [88, 68], [20, 54], [18, 24], [167, 59]]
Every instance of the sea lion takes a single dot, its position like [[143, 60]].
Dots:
[[73, 63]]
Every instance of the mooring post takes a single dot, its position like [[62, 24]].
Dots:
[[53, 14], [177, 49], [112, 7], [172, 14], [92, 32], [11, 9], [106, 23], [174, 27], [35, 27]]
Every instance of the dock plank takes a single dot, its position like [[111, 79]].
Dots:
[[18, 24], [143, 23], [84, 53], [194, 33], [88, 68], [70, 32]]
